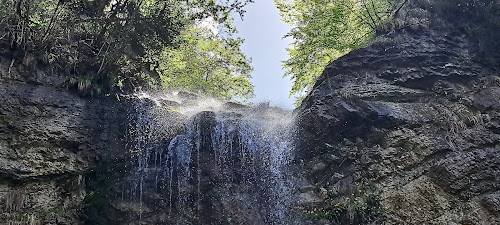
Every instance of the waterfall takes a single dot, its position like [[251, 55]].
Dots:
[[210, 164]]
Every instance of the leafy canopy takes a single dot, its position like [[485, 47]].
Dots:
[[206, 62], [324, 30], [102, 46]]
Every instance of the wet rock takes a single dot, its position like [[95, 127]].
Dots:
[[235, 106], [307, 199], [320, 166], [306, 188], [188, 96]]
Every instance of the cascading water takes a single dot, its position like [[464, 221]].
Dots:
[[226, 165], [252, 149]]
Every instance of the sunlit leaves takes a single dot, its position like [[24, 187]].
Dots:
[[324, 30], [207, 63]]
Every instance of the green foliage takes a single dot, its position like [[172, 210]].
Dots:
[[105, 45], [91, 40], [360, 207], [324, 30], [206, 62]]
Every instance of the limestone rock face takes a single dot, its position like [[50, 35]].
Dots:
[[417, 116], [49, 141]]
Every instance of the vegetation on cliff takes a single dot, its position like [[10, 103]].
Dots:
[[105, 46], [359, 204], [326, 30]]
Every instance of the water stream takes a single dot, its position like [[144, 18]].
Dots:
[[205, 162]]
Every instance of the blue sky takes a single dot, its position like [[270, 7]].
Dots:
[[263, 32]]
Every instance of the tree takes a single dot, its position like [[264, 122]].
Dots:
[[208, 63], [324, 30], [101, 45]]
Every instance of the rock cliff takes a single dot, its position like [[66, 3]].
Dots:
[[407, 130], [50, 142]]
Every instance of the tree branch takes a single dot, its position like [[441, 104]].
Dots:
[[51, 21], [399, 8]]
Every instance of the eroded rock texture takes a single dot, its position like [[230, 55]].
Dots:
[[50, 142], [417, 116]]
